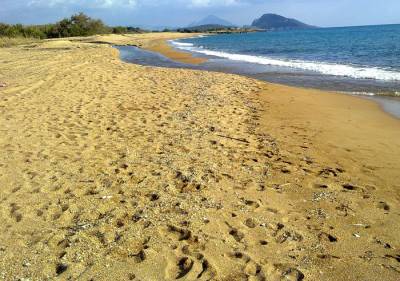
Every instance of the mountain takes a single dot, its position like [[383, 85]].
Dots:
[[211, 20], [277, 22]]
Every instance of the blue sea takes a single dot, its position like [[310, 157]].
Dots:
[[368, 52], [356, 60]]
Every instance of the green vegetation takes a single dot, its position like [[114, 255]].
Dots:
[[214, 28], [77, 25], [8, 42]]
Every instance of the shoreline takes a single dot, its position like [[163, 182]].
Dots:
[[164, 48], [108, 164], [168, 51]]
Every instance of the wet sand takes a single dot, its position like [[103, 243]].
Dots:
[[163, 47], [185, 57], [114, 170]]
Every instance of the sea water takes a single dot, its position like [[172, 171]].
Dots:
[[355, 60], [369, 54]]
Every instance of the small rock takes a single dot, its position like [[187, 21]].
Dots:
[[60, 268], [250, 223]]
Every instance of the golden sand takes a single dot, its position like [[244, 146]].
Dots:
[[156, 42], [114, 171]]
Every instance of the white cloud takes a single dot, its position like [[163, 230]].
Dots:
[[134, 3], [85, 3], [209, 3]]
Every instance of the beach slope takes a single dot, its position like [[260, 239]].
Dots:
[[115, 170]]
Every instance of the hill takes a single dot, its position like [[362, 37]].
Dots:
[[211, 20], [277, 22]]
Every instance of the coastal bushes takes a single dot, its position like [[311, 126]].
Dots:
[[77, 25], [18, 30]]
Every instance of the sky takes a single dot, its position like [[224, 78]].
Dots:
[[178, 13]]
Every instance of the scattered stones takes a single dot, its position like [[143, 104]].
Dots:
[[289, 236], [318, 196], [143, 148]]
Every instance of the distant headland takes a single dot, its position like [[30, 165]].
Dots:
[[267, 22], [277, 22]]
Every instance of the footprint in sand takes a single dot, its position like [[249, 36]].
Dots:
[[383, 205], [14, 212], [236, 234], [180, 233], [190, 268]]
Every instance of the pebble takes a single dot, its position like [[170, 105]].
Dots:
[[60, 268]]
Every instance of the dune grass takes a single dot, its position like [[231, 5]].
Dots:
[[9, 42]]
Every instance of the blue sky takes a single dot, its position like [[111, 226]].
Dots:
[[182, 12]]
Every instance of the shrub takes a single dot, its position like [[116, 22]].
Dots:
[[120, 30], [77, 25]]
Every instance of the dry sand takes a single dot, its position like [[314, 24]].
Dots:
[[156, 42], [114, 171]]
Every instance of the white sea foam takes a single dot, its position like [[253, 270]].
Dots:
[[181, 44], [319, 67], [361, 93]]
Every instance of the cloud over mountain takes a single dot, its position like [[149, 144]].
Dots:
[[182, 12]]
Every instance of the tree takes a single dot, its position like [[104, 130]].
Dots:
[[120, 30], [78, 25]]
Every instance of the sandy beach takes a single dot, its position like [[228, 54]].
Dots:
[[111, 170]]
